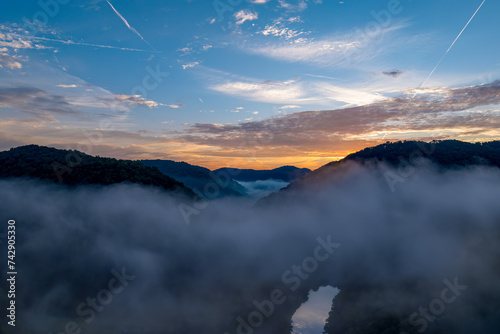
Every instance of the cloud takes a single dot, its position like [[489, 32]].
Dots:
[[346, 95], [36, 102], [340, 50], [278, 29], [175, 106], [294, 91], [206, 274], [9, 61], [290, 106], [272, 92], [245, 15], [79, 105], [300, 6], [137, 100], [465, 112], [67, 86], [12, 40], [306, 139], [294, 19], [259, 2], [393, 73], [322, 52], [190, 65]]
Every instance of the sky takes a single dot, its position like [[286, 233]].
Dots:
[[246, 83]]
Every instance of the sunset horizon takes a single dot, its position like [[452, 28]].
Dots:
[[259, 84]]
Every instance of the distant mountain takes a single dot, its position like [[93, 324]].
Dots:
[[77, 168], [446, 154], [285, 173], [203, 181]]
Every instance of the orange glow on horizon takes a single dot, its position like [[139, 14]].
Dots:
[[261, 163]]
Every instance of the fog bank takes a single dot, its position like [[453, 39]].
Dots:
[[200, 277]]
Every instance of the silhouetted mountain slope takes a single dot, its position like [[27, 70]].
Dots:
[[196, 177], [446, 153], [285, 173], [76, 168], [406, 155], [413, 304]]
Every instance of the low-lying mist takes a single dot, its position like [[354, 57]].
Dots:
[[121, 258], [262, 188]]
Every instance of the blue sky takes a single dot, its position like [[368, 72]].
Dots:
[[255, 83]]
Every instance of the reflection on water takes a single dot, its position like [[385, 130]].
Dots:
[[311, 316]]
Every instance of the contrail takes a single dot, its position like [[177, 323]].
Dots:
[[69, 42], [439, 63], [323, 76], [128, 25]]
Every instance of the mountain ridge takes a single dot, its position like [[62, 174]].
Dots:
[[446, 154], [195, 177], [283, 173], [73, 168]]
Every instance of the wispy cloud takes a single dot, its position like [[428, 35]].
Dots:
[[339, 50], [295, 91], [267, 91], [356, 97], [67, 86], [278, 29], [128, 25], [190, 65], [302, 5], [294, 19], [137, 100], [245, 15], [175, 106], [290, 106]]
